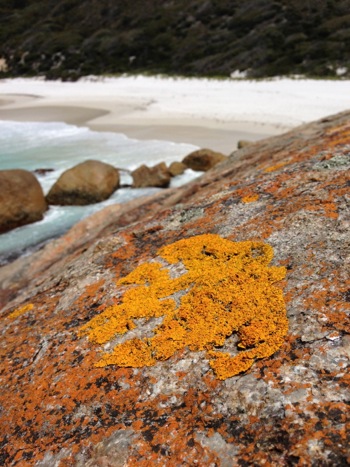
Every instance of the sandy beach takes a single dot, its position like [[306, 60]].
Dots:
[[206, 113]]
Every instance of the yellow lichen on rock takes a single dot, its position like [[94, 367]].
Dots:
[[227, 288], [20, 311], [275, 167], [250, 198]]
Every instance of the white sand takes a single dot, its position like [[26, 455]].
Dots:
[[208, 113]]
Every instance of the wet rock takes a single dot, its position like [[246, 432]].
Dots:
[[61, 406], [177, 168], [87, 183], [21, 199], [42, 171], [203, 159], [243, 143], [157, 176]]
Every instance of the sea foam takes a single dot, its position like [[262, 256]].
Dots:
[[59, 146]]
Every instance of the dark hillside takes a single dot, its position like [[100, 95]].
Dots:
[[71, 38]]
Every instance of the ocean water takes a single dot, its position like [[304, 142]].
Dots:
[[59, 146]]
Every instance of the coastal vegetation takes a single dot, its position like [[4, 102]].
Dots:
[[256, 38]]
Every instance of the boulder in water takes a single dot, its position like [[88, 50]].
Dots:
[[87, 183], [203, 159], [243, 143], [21, 199], [177, 168], [157, 176]]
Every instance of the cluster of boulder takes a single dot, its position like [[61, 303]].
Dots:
[[22, 200]]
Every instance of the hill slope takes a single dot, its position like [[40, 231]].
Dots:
[[71, 38]]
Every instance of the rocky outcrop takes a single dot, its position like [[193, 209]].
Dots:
[[205, 325], [157, 176], [177, 168], [21, 199], [86, 183], [203, 159]]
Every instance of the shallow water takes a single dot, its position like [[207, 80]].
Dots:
[[59, 146]]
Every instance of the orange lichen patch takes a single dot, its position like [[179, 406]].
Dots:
[[174, 440], [330, 432], [330, 303], [275, 167], [20, 311], [283, 188], [338, 135], [183, 450], [91, 291], [329, 209], [229, 289], [250, 198]]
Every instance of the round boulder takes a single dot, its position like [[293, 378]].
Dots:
[[177, 168], [22, 199], [86, 183], [158, 176], [203, 159]]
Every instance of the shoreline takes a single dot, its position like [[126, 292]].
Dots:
[[120, 118], [206, 113]]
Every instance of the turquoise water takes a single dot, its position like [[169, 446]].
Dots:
[[59, 146]]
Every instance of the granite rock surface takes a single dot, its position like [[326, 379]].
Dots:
[[59, 407]]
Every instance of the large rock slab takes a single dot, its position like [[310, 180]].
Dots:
[[108, 355], [21, 199], [86, 183], [203, 159]]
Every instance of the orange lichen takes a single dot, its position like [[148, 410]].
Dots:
[[20, 311], [250, 198], [227, 288], [275, 167]]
